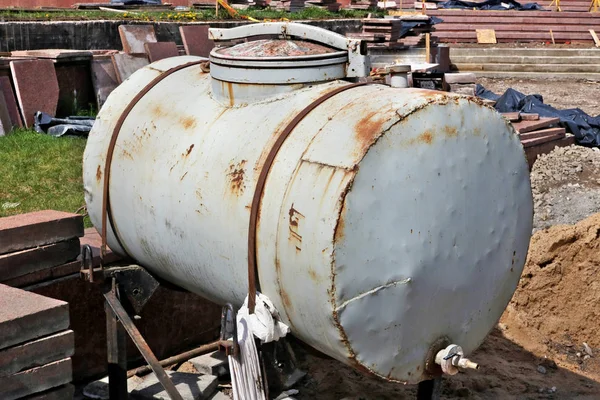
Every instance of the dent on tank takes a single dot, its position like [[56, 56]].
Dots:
[[387, 226]]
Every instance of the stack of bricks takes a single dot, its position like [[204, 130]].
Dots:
[[287, 5], [35, 346]]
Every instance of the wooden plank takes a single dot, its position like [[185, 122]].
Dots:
[[542, 133], [486, 36], [528, 126], [596, 40]]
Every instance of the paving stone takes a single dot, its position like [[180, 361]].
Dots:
[[158, 51], [460, 77], [23, 262], [36, 86], [36, 380], [190, 386], [195, 40], [214, 363], [36, 353], [39, 228], [5, 122], [99, 389], [65, 392], [11, 102], [133, 37], [25, 316], [125, 65], [104, 78]]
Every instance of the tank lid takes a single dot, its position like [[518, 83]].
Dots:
[[303, 54]]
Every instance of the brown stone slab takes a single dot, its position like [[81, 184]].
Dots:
[[530, 117], [512, 116], [158, 51], [36, 86], [125, 65], [55, 54], [528, 126], [65, 392], [25, 316], [542, 133], [133, 37], [27, 261], [541, 140], [11, 102], [5, 122], [92, 238], [36, 353], [195, 40], [36, 380], [39, 228], [104, 78]]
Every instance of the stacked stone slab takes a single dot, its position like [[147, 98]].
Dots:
[[287, 5], [461, 83], [35, 346]]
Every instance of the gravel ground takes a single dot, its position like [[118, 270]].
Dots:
[[566, 186]]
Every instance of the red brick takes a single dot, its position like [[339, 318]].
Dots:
[[158, 51], [36, 86], [36, 380], [133, 37], [24, 231], [195, 40]]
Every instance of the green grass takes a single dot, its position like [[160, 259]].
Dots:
[[40, 172], [184, 16]]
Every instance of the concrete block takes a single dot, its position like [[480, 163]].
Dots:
[[195, 40], [460, 77], [36, 86], [36, 353], [24, 262], [190, 386], [25, 316], [133, 37], [466, 89], [125, 65], [11, 101], [25, 231], [214, 363], [158, 51], [36, 380], [65, 392], [99, 389]]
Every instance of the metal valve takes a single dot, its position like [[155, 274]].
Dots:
[[451, 358]]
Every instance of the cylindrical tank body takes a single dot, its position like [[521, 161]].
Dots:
[[391, 218]]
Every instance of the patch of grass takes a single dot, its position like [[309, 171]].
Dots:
[[40, 172], [183, 16]]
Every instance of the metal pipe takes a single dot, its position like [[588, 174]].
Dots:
[[176, 359]]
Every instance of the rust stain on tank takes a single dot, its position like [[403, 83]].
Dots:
[[230, 92], [188, 151], [450, 131], [368, 129], [99, 173], [188, 122], [313, 275], [127, 154], [157, 111], [236, 177]]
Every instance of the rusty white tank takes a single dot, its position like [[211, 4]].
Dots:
[[393, 221]]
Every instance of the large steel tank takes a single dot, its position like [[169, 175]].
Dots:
[[392, 220]]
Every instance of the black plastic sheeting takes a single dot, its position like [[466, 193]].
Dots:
[[490, 5], [79, 126], [408, 25], [135, 2], [585, 127]]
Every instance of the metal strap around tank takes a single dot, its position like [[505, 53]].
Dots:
[[106, 214], [260, 186]]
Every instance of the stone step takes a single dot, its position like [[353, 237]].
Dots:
[[561, 68], [523, 52], [36, 380], [559, 76], [190, 386], [498, 59], [214, 363]]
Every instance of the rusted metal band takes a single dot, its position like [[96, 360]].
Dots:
[[260, 186], [106, 214]]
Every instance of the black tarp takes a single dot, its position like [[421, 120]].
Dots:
[[490, 5], [78, 126], [585, 127], [408, 25]]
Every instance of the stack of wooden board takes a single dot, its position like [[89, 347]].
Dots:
[[35, 346], [534, 130]]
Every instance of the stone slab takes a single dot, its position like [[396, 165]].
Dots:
[[65, 392], [460, 77], [133, 37], [36, 86], [39, 228], [55, 54], [76, 91], [158, 51], [5, 122], [466, 89], [125, 65], [214, 363], [36, 380], [528, 126], [11, 101], [530, 116], [219, 396], [36, 353], [195, 40], [190, 386], [23, 262], [25, 316], [532, 152], [104, 78]]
